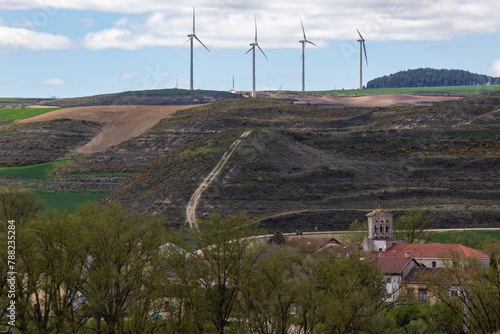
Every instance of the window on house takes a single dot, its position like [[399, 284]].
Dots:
[[433, 264], [422, 295]]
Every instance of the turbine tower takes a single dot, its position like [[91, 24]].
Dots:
[[190, 38], [304, 41], [253, 45], [361, 48]]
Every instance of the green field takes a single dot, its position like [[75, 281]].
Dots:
[[478, 239], [67, 201], [432, 91], [40, 171], [16, 114], [447, 237]]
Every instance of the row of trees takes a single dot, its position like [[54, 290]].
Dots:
[[104, 270], [428, 77]]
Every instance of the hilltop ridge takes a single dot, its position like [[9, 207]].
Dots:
[[429, 77]]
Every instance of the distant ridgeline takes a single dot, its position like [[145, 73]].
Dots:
[[428, 77]]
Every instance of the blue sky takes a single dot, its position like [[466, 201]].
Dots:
[[68, 48]]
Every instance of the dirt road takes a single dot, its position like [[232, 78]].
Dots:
[[195, 198]]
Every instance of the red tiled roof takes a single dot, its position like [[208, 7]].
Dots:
[[433, 251], [392, 265]]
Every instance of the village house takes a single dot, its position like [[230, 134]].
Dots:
[[404, 265], [435, 255], [396, 271]]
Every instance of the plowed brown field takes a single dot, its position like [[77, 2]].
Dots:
[[120, 122], [375, 100]]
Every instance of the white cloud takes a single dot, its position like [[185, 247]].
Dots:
[[229, 23], [87, 22], [12, 39], [495, 68], [53, 81], [126, 77]]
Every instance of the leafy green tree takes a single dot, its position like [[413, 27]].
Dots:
[[120, 266], [355, 234], [471, 291], [228, 255], [267, 300], [18, 204], [52, 274], [413, 226], [310, 298], [185, 310], [277, 238], [355, 294]]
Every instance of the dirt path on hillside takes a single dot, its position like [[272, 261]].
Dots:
[[376, 100], [195, 198], [120, 122]]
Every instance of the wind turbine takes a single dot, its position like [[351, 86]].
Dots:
[[253, 45], [190, 38], [361, 48], [304, 41]]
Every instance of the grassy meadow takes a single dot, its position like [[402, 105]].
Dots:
[[39, 171], [462, 236], [67, 201], [17, 114]]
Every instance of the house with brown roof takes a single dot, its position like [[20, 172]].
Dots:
[[395, 270]]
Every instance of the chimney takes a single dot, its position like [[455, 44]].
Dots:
[[394, 253], [407, 253]]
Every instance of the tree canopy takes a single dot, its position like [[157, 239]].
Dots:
[[429, 77]]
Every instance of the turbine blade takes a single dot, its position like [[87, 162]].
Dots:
[[250, 49], [187, 41], [262, 52], [255, 19], [193, 22], [360, 35], [201, 43], [303, 30], [310, 42], [364, 48]]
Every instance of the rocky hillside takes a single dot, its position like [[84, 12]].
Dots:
[[302, 167], [314, 167]]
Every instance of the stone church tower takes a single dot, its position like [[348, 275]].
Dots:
[[379, 224], [380, 237]]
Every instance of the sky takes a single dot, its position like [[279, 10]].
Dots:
[[71, 48]]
